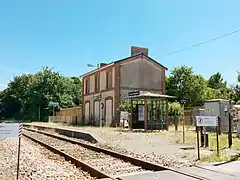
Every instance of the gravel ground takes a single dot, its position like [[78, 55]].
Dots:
[[36, 163]]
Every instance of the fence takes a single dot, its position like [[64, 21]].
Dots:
[[73, 120], [68, 115]]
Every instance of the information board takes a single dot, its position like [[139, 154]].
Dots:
[[9, 130], [206, 121], [124, 115], [141, 112], [124, 118]]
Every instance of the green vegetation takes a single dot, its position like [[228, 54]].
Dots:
[[191, 138], [183, 83], [27, 93], [223, 156]]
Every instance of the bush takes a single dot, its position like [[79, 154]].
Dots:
[[175, 109]]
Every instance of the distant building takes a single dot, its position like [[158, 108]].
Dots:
[[104, 87]]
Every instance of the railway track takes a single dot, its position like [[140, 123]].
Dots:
[[99, 162]]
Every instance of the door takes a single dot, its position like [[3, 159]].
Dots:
[[109, 113], [87, 112], [97, 112]]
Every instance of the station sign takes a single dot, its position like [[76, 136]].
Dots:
[[9, 130], [134, 93], [51, 103], [183, 101], [210, 121]]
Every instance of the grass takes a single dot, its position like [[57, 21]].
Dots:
[[223, 156], [191, 137]]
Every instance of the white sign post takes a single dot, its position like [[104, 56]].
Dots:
[[9, 131], [207, 121]]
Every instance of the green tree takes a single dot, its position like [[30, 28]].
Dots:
[[175, 109], [216, 81], [29, 92], [183, 83], [236, 89]]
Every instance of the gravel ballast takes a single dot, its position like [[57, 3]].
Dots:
[[153, 157], [36, 162], [103, 162]]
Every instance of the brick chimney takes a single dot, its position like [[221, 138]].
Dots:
[[103, 64], [136, 50]]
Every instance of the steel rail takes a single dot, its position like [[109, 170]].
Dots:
[[138, 162], [91, 170]]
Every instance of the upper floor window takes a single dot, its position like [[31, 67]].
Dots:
[[97, 83], [109, 79], [87, 87]]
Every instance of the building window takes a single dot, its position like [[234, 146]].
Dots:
[[109, 79], [97, 83], [87, 86]]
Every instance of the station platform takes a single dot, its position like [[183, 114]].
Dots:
[[228, 171]]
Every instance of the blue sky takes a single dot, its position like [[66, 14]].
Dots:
[[68, 34]]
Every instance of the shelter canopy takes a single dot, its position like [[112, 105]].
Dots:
[[146, 94]]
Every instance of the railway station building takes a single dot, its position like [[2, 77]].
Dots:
[[105, 87]]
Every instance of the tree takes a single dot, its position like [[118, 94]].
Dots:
[[29, 92], [236, 89], [216, 81], [175, 109], [183, 83]]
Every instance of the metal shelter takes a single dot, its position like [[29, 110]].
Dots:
[[149, 111]]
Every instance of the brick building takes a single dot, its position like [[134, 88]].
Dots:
[[104, 87]]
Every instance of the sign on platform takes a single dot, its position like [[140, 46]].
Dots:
[[9, 130], [124, 118], [124, 115], [134, 93], [207, 121], [51, 103], [183, 101]]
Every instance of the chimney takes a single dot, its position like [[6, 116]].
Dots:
[[137, 50], [103, 64]]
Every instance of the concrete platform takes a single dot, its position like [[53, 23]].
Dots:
[[229, 171], [64, 131], [232, 168], [208, 173], [160, 175]]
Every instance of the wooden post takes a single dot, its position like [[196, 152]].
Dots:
[[145, 114], [198, 147], [151, 115], [217, 137], [167, 120], [131, 116]]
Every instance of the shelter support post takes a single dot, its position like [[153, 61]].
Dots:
[[166, 110], [131, 116], [145, 114]]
